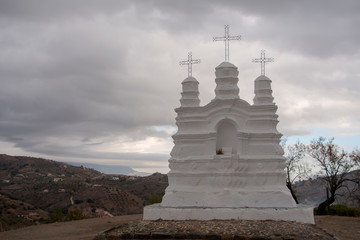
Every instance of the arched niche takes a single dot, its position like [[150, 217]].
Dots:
[[226, 138]]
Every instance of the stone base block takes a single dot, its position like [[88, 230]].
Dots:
[[302, 214]]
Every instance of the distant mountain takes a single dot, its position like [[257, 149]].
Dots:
[[111, 169]]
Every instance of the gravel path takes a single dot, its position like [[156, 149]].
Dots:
[[345, 228], [218, 229]]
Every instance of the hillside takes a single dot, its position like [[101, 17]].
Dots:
[[32, 188], [41, 185], [15, 214]]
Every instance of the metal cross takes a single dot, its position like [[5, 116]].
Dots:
[[262, 60], [190, 62], [226, 39]]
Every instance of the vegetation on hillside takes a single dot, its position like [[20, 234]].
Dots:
[[80, 192], [339, 210]]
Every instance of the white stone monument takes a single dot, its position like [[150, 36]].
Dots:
[[227, 162]]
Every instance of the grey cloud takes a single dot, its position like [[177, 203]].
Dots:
[[85, 70], [131, 159], [321, 28], [315, 28], [52, 10], [80, 85]]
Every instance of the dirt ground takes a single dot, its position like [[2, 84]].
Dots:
[[76, 230], [345, 228]]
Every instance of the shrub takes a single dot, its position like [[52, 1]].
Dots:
[[154, 199], [75, 214], [77, 201], [340, 210], [56, 216]]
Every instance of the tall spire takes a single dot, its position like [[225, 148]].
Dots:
[[226, 38], [190, 86]]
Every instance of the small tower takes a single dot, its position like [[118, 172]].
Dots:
[[190, 86], [190, 92], [226, 81], [263, 92]]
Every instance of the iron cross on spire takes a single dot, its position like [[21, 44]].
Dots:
[[262, 60], [226, 39], [190, 62]]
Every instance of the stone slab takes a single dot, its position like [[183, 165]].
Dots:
[[302, 214]]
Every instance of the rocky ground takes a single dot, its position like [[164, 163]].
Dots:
[[217, 229], [345, 228]]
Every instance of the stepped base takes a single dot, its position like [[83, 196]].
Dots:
[[299, 214]]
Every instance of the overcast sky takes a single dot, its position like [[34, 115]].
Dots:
[[98, 81]]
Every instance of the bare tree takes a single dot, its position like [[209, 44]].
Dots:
[[355, 157], [335, 165], [295, 170]]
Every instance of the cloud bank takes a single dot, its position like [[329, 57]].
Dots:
[[98, 80]]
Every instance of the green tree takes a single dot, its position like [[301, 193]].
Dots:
[[56, 216]]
